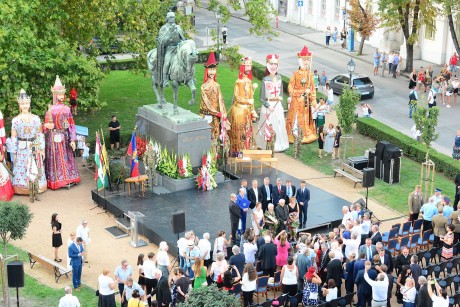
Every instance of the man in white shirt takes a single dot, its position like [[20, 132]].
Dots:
[[68, 300], [205, 249], [182, 244], [347, 215], [83, 232], [379, 286], [149, 269], [250, 250], [351, 245]]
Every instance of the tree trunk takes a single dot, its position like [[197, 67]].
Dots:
[[452, 30], [410, 57], [361, 46]]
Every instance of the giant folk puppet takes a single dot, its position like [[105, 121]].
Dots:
[[212, 105], [303, 94], [61, 169], [242, 112], [272, 111], [6, 189], [28, 151]]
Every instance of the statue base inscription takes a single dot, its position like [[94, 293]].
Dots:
[[182, 133]]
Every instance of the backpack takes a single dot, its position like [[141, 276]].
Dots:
[[412, 96]]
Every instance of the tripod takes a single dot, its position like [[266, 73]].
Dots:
[[174, 263]]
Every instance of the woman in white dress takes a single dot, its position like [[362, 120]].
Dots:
[[258, 221], [329, 142], [272, 111]]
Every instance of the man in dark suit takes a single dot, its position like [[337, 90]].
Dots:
[[290, 190], [266, 189], [254, 194], [162, 290], [359, 265], [303, 197], [278, 192], [334, 271], [364, 289], [376, 235], [324, 261], [267, 255], [244, 185], [235, 215], [457, 191], [75, 253], [423, 299], [403, 259], [386, 255], [282, 214]]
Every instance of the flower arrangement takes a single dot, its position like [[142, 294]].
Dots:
[[293, 224], [205, 179], [184, 167], [141, 145], [151, 159], [168, 164]]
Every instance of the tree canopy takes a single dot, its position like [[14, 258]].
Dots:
[[16, 217], [363, 20]]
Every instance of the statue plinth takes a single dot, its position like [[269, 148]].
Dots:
[[182, 133]]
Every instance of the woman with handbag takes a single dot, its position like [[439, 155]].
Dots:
[[106, 289], [409, 292], [311, 288]]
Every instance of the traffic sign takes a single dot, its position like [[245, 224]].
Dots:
[[300, 3]]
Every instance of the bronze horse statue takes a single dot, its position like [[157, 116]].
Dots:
[[181, 72]]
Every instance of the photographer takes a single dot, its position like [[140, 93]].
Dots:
[[226, 281]]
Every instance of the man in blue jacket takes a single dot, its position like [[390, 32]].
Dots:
[[76, 253]]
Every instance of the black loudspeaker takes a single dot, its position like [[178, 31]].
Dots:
[[15, 270], [378, 165], [371, 161], [178, 221], [368, 177]]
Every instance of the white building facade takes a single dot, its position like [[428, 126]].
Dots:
[[436, 47]]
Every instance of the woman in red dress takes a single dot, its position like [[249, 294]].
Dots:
[[6, 189]]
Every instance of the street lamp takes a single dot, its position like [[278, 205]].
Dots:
[[218, 28], [351, 68]]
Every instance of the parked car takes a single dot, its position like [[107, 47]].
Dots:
[[360, 82]]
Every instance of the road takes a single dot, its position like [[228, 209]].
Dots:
[[391, 95]]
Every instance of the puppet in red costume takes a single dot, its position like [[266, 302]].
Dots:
[[6, 189]]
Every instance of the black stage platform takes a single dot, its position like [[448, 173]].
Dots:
[[207, 211]]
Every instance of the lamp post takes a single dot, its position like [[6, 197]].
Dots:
[[218, 31], [351, 68]]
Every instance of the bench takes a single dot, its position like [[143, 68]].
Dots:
[[263, 156], [349, 172], [58, 269]]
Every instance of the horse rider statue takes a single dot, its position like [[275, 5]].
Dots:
[[169, 36]]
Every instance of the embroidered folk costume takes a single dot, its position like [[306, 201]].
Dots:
[[302, 91], [60, 132], [272, 111], [212, 105], [6, 189], [242, 112], [28, 151]]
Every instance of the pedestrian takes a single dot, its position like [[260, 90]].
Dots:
[[114, 128], [384, 60], [68, 300], [455, 84], [343, 38], [129, 292], [83, 232], [394, 67], [323, 80], [316, 79], [329, 139], [57, 237], [336, 149], [73, 101], [428, 77], [328, 35], [377, 57], [320, 141], [431, 100], [106, 287], [330, 97], [9, 151], [80, 144], [420, 79], [391, 57], [224, 34], [456, 149], [453, 62], [415, 202], [85, 154], [366, 110], [122, 272], [413, 100], [449, 92], [76, 253], [335, 34]]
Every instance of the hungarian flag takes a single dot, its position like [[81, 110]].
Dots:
[[100, 174], [132, 152]]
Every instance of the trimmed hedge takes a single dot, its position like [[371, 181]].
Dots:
[[410, 147]]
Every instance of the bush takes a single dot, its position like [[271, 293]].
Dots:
[[410, 147], [210, 297]]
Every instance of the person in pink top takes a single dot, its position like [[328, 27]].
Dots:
[[453, 62], [283, 246]]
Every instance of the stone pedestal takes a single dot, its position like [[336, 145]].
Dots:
[[182, 133]]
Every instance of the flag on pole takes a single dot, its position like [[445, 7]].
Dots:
[[100, 174], [295, 131], [132, 152], [267, 132]]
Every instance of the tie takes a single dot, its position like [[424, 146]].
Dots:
[[369, 254], [268, 192], [289, 192], [257, 196], [279, 190]]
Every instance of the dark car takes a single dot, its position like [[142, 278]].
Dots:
[[361, 83]]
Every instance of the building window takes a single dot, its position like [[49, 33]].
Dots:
[[310, 7], [430, 30], [337, 9], [323, 8]]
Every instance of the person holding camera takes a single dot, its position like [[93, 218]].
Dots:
[[226, 281], [441, 299]]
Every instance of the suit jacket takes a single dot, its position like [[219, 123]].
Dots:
[[252, 197], [324, 259], [235, 212], [390, 261], [415, 202], [400, 261], [293, 192], [454, 218], [363, 249], [334, 271], [277, 195], [303, 197], [264, 193], [377, 237], [439, 225], [267, 255], [162, 291], [423, 299], [282, 213], [363, 287], [359, 266], [75, 259]]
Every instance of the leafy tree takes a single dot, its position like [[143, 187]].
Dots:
[[363, 20], [408, 16], [210, 297], [16, 217], [451, 9], [426, 120], [346, 109]]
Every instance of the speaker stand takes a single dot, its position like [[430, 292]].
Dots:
[[176, 258], [17, 296], [367, 195]]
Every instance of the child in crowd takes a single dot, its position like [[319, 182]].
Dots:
[[85, 154]]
